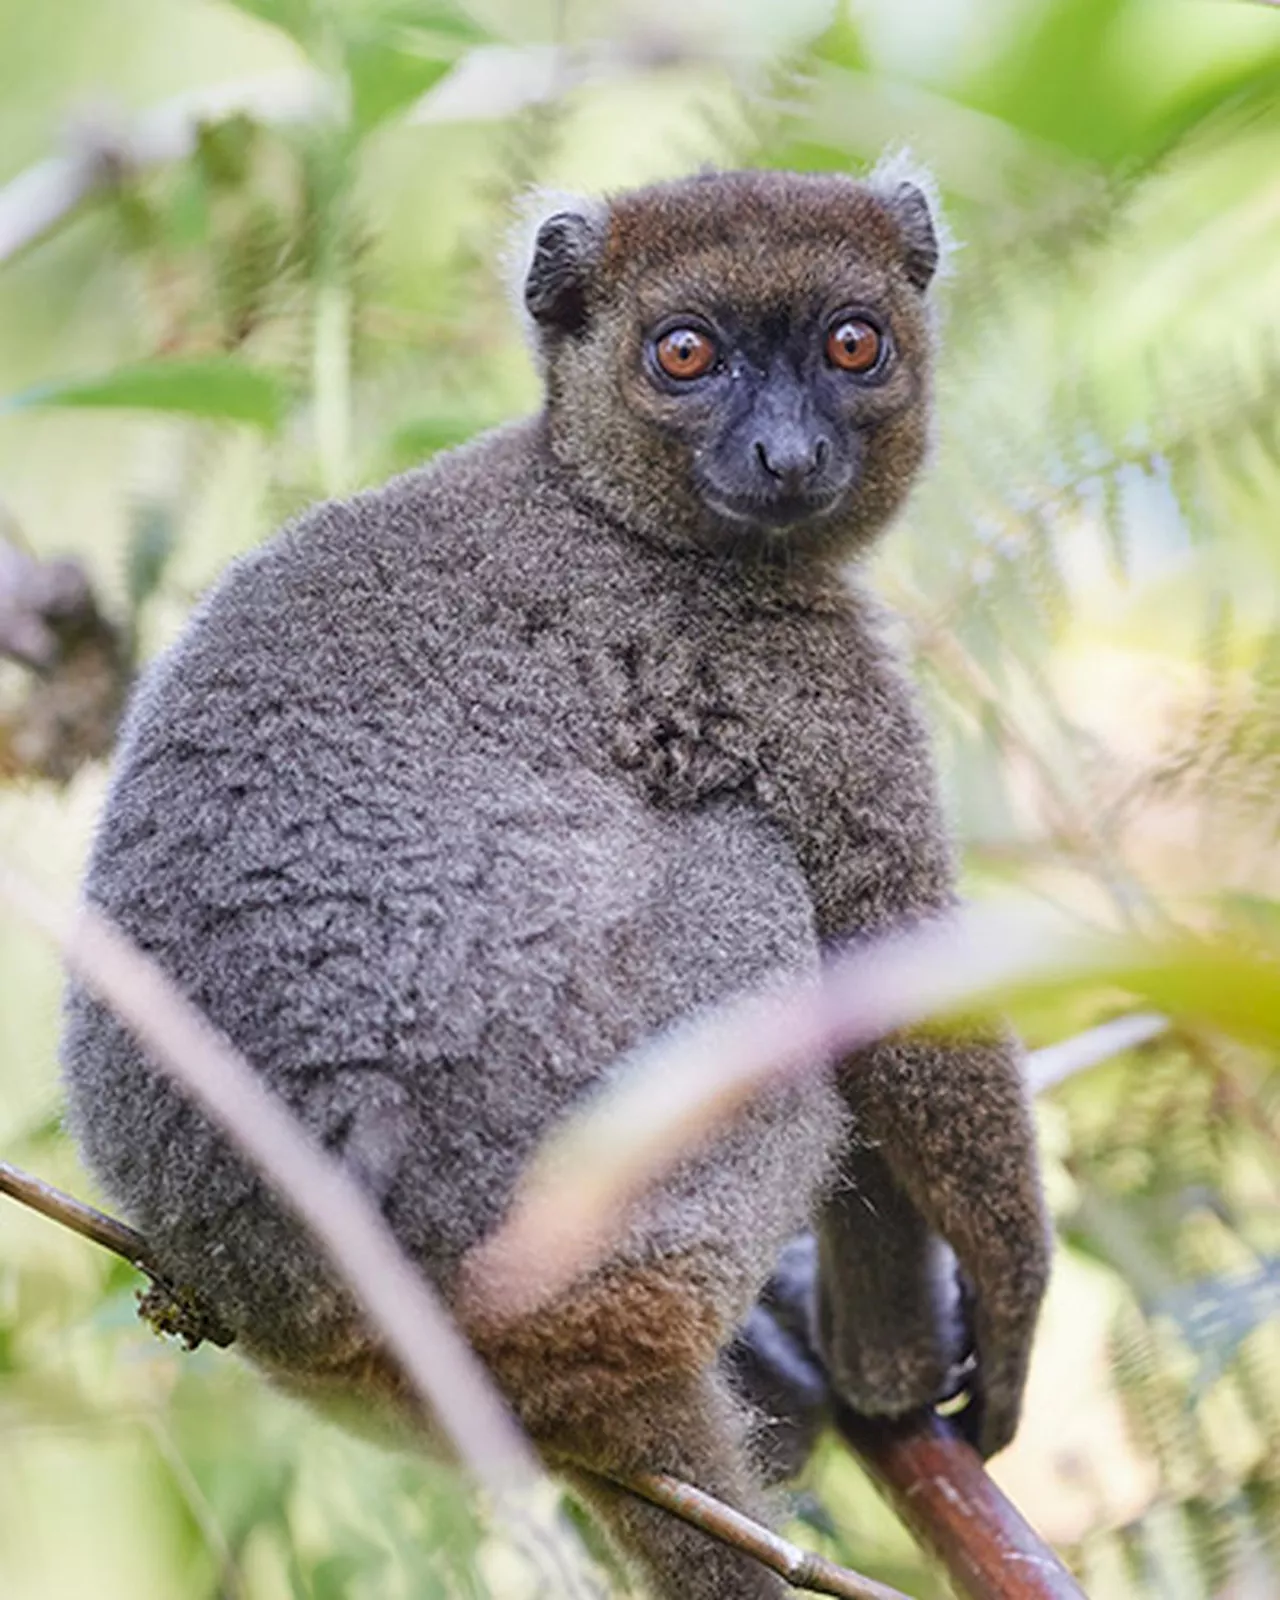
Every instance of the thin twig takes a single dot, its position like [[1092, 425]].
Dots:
[[231, 1585], [44, 195], [1055, 1063], [83, 1219], [168, 1307], [803, 1569]]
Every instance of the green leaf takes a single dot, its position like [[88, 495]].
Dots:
[[397, 53], [386, 78], [295, 17], [412, 442], [219, 387], [152, 541], [1057, 79]]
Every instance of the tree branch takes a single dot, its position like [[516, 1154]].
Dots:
[[1055, 1063], [939, 1487], [803, 1569], [79, 665], [89, 1223]]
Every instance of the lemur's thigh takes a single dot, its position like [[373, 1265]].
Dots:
[[696, 1432], [619, 1376]]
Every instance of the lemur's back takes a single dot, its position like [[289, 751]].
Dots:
[[366, 816]]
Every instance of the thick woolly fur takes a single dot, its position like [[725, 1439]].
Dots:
[[456, 791]]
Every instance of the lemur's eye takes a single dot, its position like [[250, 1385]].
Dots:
[[854, 345], [685, 353]]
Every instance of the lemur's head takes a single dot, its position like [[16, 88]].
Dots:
[[741, 360]]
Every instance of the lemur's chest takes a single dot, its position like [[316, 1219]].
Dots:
[[758, 710]]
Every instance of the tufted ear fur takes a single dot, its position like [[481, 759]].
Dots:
[[909, 195], [557, 281]]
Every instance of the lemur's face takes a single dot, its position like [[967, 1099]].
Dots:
[[775, 402], [749, 354]]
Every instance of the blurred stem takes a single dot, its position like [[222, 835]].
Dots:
[[331, 383], [231, 1585]]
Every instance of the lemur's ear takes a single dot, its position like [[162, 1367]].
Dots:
[[909, 207], [557, 283], [908, 193]]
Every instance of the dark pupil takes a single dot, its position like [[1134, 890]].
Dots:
[[684, 346], [852, 337]]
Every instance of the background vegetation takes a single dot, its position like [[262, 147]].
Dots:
[[282, 285]]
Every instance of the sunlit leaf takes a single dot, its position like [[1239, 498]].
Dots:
[[386, 78], [297, 18], [396, 54], [152, 541], [414, 442], [1055, 80]]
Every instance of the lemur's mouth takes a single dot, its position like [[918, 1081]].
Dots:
[[777, 511]]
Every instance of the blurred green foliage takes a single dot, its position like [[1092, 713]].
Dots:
[[286, 282]]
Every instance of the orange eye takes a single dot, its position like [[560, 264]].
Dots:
[[854, 345], [685, 353]]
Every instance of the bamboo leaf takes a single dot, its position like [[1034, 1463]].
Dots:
[[385, 79], [217, 387], [294, 17]]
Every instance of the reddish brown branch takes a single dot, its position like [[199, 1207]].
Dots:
[[939, 1487]]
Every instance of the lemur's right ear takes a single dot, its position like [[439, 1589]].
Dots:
[[909, 208], [557, 283]]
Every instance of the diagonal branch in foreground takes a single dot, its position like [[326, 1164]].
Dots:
[[437, 1361]]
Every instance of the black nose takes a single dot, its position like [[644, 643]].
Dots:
[[793, 459]]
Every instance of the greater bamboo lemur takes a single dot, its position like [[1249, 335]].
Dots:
[[458, 789]]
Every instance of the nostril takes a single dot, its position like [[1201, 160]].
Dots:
[[821, 451], [762, 456]]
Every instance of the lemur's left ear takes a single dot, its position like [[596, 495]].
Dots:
[[909, 208], [908, 194]]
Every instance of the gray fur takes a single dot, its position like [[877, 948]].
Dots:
[[455, 792]]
